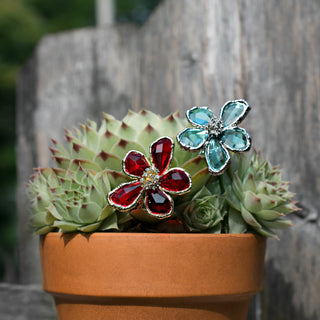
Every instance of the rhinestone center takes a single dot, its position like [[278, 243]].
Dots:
[[150, 178], [214, 127]]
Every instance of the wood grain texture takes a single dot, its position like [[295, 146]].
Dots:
[[196, 53]]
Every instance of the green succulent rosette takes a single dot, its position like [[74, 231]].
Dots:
[[258, 198], [69, 201], [205, 211]]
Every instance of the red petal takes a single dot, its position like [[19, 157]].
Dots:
[[125, 196], [135, 163], [161, 152], [175, 180], [158, 203]]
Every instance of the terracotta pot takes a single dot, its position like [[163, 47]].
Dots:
[[152, 276]]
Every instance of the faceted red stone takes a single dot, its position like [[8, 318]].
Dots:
[[161, 152], [135, 163], [125, 196], [175, 180], [158, 203]]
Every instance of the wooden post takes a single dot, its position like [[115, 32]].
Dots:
[[196, 53], [104, 13]]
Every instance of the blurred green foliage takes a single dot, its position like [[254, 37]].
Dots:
[[22, 24]]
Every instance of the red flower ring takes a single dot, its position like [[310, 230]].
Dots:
[[154, 179]]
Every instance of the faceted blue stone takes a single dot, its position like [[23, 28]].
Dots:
[[192, 138], [217, 156], [236, 139], [233, 112], [200, 116]]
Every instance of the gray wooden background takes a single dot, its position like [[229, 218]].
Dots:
[[202, 52]]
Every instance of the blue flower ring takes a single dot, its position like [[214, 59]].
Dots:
[[215, 135]]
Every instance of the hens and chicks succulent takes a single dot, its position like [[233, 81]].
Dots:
[[248, 197]]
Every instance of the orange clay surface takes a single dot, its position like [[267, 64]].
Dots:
[[152, 276]]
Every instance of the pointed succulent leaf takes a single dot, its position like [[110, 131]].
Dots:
[[278, 224], [96, 196], [252, 202], [62, 162], [89, 212], [267, 202], [82, 152], [92, 138], [198, 180], [107, 141], [73, 211], [86, 164], [116, 178], [237, 186], [44, 230], [61, 209], [126, 132], [66, 226], [110, 223], [41, 219], [108, 161], [249, 183], [148, 135], [249, 218], [102, 179], [269, 215], [123, 146], [71, 139], [194, 165], [53, 210], [111, 123], [232, 199], [90, 227], [170, 125], [59, 149], [106, 212], [287, 208], [235, 222], [266, 232]]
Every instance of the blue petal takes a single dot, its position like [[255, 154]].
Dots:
[[233, 112], [236, 139], [192, 138], [217, 157], [199, 116]]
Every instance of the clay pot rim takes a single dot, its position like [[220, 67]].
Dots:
[[153, 234]]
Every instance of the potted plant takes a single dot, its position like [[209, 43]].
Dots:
[[134, 226]]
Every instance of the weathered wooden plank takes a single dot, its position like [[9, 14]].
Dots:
[[27, 302], [280, 43], [196, 52]]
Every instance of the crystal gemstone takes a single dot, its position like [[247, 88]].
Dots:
[[193, 138], [135, 163], [127, 194], [175, 180], [233, 112], [214, 127], [235, 139], [150, 178], [217, 156], [161, 154], [200, 115], [158, 202]]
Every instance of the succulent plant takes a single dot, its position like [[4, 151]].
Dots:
[[258, 197], [205, 210], [104, 148], [70, 200], [249, 196], [93, 155]]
